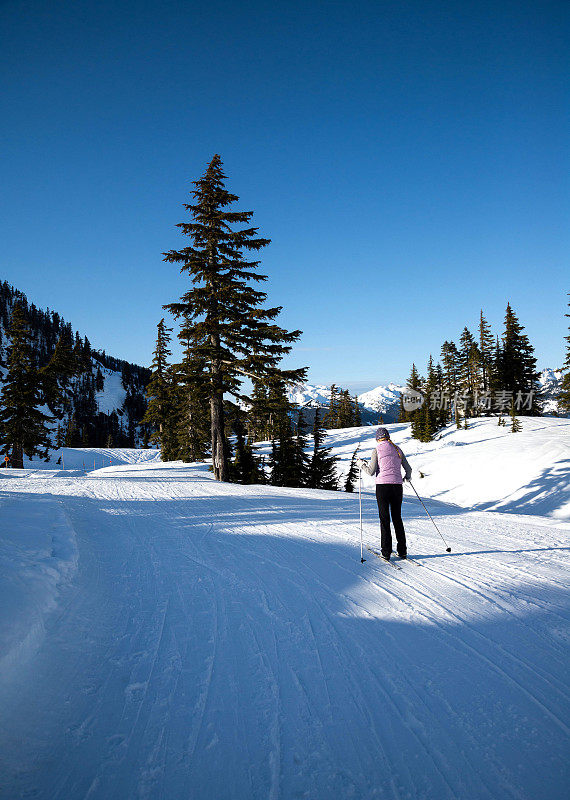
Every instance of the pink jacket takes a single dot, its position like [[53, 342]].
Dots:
[[387, 462]]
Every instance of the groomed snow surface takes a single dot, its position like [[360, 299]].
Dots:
[[165, 636]]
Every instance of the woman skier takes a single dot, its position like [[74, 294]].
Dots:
[[386, 464]]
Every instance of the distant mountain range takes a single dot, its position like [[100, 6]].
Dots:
[[384, 400], [381, 401]]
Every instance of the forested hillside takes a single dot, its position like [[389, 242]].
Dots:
[[92, 399]]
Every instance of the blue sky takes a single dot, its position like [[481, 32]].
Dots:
[[409, 161]]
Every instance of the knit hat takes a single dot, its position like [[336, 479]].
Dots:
[[382, 433]]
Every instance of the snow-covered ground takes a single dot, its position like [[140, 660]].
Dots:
[[485, 466], [165, 636]]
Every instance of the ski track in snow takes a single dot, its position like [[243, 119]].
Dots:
[[225, 642]]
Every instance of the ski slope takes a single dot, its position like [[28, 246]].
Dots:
[[164, 636]]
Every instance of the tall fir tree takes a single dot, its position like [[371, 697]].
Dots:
[[222, 313], [300, 457], [486, 342], [516, 362], [331, 418], [321, 472], [424, 420], [190, 385], [160, 395], [468, 371], [352, 473], [23, 426], [345, 410], [415, 382], [246, 467], [450, 360], [357, 418]]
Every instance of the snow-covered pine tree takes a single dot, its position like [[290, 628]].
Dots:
[[222, 312], [321, 472], [23, 427]]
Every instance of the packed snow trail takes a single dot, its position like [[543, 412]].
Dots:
[[219, 641]]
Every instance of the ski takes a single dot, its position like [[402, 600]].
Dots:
[[411, 560], [379, 555]]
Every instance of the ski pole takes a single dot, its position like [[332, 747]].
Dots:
[[362, 559], [447, 549]]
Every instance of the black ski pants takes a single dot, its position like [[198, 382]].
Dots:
[[389, 499]]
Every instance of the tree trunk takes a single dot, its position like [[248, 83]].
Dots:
[[17, 460]]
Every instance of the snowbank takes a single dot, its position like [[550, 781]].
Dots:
[[87, 459], [485, 467], [37, 553]]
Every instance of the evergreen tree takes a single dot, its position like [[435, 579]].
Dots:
[[332, 415], [300, 458], [564, 396], [402, 413], [424, 419], [357, 418], [71, 432], [516, 362], [352, 473], [57, 374], [60, 437], [415, 382], [190, 393], [283, 460], [345, 411], [23, 427], [450, 360], [468, 370], [258, 414], [515, 423], [159, 393], [486, 342], [222, 313], [321, 472], [246, 467]]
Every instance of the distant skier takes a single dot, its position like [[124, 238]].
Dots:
[[386, 464]]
